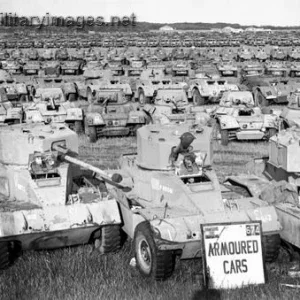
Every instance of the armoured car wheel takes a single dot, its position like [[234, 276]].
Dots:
[[197, 98], [78, 126], [224, 137], [260, 99], [108, 239], [151, 261], [142, 97], [9, 251], [134, 129], [72, 97], [4, 255], [271, 246], [271, 132], [92, 134]]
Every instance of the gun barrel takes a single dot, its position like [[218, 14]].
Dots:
[[87, 166]]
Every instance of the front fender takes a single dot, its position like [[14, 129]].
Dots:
[[93, 119], [74, 114], [268, 92], [227, 122], [271, 121], [69, 88], [21, 88], [148, 90]]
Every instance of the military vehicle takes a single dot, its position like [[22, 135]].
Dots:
[[154, 84], [173, 189], [278, 54], [51, 67], [204, 91], [276, 180], [46, 54], [32, 54], [276, 69], [294, 69], [11, 112], [55, 104], [261, 55], [135, 68], [16, 54], [228, 55], [239, 119], [251, 70], [271, 90], [61, 54], [291, 114], [110, 114], [180, 69], [73, 67], [4, 55], [227, 68], [244, 54], [31, 67], [47, 201], [294, 54], [15, 91], [12, 66]]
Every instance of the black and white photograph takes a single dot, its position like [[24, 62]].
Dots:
[[149, 149]]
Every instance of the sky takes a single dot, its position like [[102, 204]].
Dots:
[[251, 12]]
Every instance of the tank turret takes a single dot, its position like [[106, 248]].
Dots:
[[159, 146]]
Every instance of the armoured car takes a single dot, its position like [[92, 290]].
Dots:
[[172, 190], [110, 114], [47, 201], [239, 119]]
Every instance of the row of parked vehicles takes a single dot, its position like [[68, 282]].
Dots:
[[172, 39], [162, 194]]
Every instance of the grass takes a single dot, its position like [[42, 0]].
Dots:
[[82, 273]]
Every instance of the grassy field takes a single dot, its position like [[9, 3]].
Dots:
[[82, 273]]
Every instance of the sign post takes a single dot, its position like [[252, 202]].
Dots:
[[233, 255]]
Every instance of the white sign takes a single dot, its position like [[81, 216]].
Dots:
[[233, 255]]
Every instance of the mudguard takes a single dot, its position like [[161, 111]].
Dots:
[[228, 122], [148, 90], [271, 121], [69, 88], [33, 116], [136, 117], [268, 92], [93, 119], [74, 114]]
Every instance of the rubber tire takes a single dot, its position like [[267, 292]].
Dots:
[[90, 97], [78, 126], [109, 240], [142, 98], [92, 134], [197, 98], [4, 255], [72, 97], [261, 100], [23, 98], [161, 264], [9, 252], [271, 245], [224, 137]]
